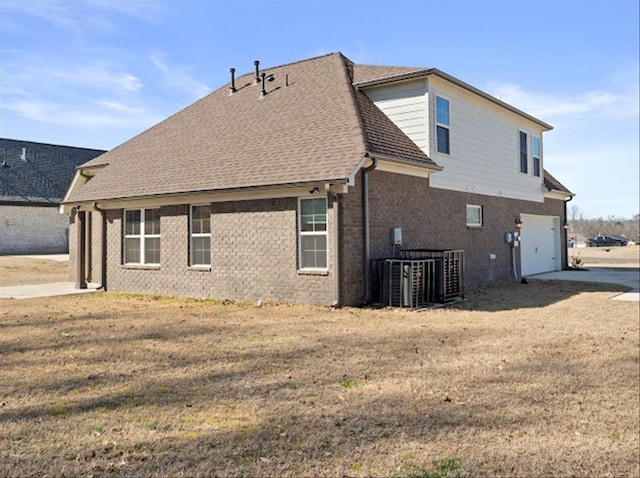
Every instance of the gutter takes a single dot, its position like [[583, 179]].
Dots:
[[366, 226]]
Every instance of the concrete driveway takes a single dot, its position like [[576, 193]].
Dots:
[[44, 290], [629, 277]]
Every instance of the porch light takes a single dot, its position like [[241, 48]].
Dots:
[[518, 223], [565, 225]]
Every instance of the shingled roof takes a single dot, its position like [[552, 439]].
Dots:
[[42, 174], [552, 184], [311, 126]]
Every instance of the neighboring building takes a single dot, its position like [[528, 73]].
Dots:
[[285, 183], [33, 180]]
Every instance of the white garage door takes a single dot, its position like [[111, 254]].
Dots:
[[540, 244]]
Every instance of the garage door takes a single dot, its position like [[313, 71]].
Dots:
[[540, 244]]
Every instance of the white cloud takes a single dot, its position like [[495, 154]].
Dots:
[[179, 76], [88, 16], [604, 103], [89, 116]]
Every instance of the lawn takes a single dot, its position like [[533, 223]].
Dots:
[[519, 380]]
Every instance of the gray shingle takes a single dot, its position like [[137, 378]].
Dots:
[[45, 175]]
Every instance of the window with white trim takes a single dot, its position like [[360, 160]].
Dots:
[[200, 235], [523, 139], [142, 236], [536, 154], [442, 125], [474, 215], [312, 233]]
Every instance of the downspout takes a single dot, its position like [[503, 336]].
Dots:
[[336, 246], [365, 220], [103, 247], [566, 236]]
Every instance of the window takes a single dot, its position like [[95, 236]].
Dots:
[[142, 236], [535, 147], [474, 215], [312, 233], [442, 125], [524, 155], [200, 236]]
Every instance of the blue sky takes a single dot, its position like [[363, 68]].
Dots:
[[96, 73]]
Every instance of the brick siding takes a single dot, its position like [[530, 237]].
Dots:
[[254, 256], [32, 230], [254, 243], [436, 218]]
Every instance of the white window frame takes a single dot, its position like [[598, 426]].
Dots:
[[194, 235], [478, 208], [302, 234], [141, 237], [537, 159], [442, 125], [526, 152]]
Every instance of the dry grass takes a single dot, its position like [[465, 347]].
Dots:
[[20, 270], [520, 380], [616, 257]]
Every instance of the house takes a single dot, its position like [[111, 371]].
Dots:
[[34, 178], [285, 183]]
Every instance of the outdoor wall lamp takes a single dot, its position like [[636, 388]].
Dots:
[[518, 223], [565, 225]]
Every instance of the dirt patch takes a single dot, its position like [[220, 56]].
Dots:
[[20, 270], [519, 380], [626, 257]]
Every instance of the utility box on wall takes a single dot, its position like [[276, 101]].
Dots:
[[396, 236]]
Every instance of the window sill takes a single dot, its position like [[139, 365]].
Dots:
[[312, 272], [476, 228], [200, 268], [144, 267]]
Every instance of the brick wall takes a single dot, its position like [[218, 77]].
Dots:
[[94, 253], [436, 218], [254, 243], [254, 256], [32, 230]]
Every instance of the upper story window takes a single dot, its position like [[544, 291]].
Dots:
[[142, 236], [200, 236], [474, 215], [312, 233], [442, 125], [524, 151], [536, 153]]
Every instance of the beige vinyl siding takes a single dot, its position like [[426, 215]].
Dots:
[[406, 105], [484, 156]]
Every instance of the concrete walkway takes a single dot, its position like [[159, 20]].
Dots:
[[44, 290], [626, 277]]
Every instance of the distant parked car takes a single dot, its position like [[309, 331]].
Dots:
[[607, 241]]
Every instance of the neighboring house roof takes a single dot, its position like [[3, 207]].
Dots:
[[42, 174], [552, 184], [311, 126]]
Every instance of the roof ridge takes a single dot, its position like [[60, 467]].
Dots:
[[289, 64]]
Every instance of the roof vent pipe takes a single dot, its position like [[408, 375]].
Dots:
[[264, 91], [23, 157], [257, 64], [286, 79], [232, 88]]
